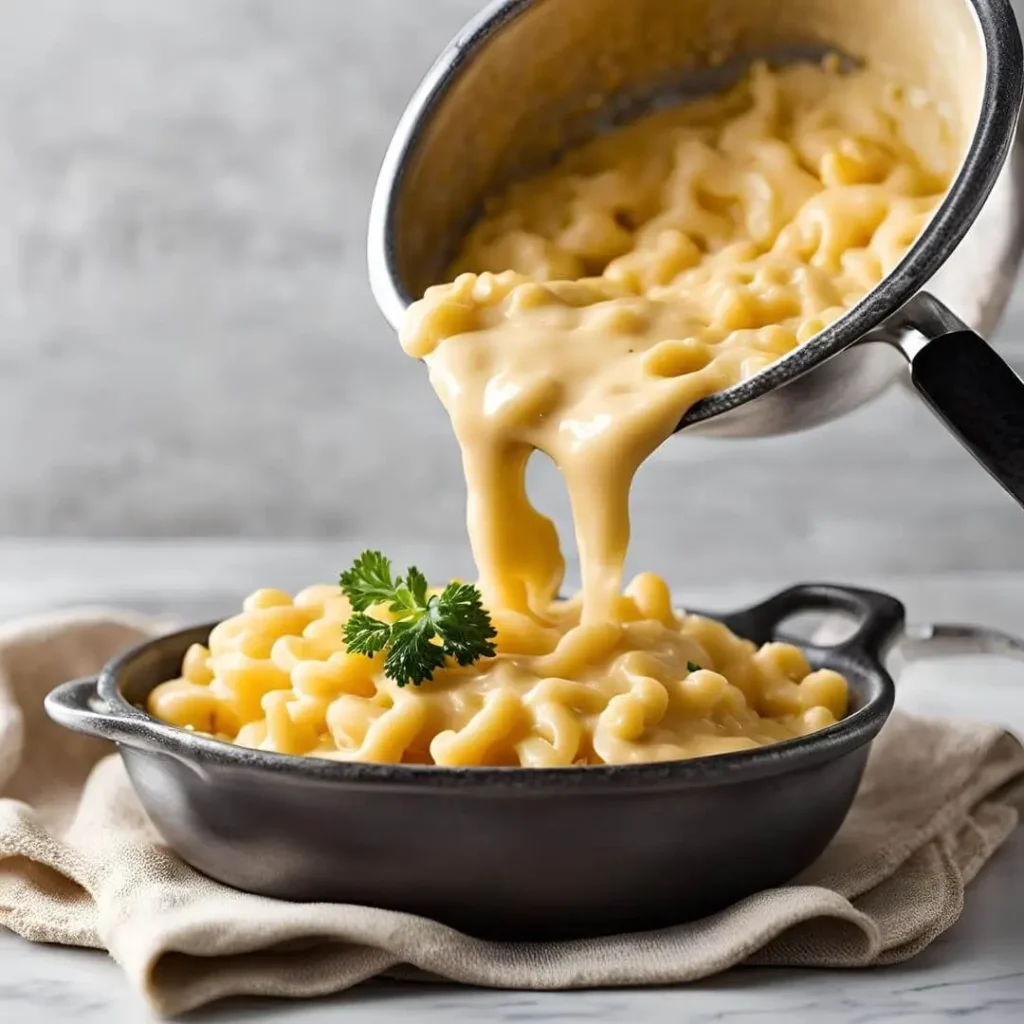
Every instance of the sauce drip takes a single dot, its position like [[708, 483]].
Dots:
[[592, 306]]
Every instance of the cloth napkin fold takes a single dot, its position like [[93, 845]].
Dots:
[[80, 864]]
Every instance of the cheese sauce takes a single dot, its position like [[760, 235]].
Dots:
[[593, 306], [590, 308]]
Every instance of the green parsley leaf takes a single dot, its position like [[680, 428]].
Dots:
[[365, 634], [413, 657], [692, 666], [368, 581], [410, 593], [462, 624], [427, 629]]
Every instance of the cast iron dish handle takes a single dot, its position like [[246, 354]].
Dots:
[[77, 706], [968, 386], [880, 618]]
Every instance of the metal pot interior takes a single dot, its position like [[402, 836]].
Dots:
[[547, 74]]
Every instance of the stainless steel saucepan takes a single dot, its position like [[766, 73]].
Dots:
[[519, 82]]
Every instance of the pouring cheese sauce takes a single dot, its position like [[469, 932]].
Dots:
[[593, 306], [589, 309]]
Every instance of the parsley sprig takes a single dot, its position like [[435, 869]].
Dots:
[[428, 628]]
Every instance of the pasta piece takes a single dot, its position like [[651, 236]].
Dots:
[[644, 690]]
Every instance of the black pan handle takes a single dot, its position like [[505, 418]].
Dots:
[[969, 387], [880, 618], [77, 707]]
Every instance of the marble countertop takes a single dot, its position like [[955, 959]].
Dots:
[[975, 971]]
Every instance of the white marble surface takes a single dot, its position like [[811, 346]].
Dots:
[[974, 972]]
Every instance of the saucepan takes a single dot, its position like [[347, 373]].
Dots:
[[537, 853], [528, 78]]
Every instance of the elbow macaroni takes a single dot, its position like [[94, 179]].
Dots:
[[593, 305], [277, 677], [590, 308]]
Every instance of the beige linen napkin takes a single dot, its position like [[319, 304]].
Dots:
[[80, 864]]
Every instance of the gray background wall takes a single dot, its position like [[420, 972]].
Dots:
[[188, 345]]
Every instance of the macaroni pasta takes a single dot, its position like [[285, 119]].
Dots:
[[656, 685], [590, 308]]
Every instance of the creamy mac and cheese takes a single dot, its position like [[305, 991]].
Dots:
[[594, 305], [590, 308], [654, 685]]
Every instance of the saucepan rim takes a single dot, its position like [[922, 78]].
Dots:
[[111, 715], [990, 145]]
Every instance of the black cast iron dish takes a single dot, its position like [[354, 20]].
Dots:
[[504, 852]]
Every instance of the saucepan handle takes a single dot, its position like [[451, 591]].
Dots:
[[969, 387], [923, 642]]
